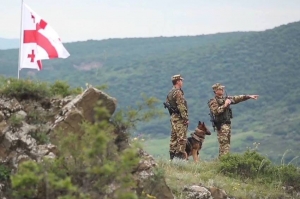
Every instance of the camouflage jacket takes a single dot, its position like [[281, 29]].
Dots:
[[176, 97], [216, 106]]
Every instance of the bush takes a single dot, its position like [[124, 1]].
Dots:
[[35, 90], [37, 116], [63, 88], [25, 89], [4, 173], [15, 121], [289, 175], [254, 166], [41, 137], [248, 165]]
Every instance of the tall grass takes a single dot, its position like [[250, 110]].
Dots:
[[261, 180]]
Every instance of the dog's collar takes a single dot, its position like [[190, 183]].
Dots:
[[198, 138]]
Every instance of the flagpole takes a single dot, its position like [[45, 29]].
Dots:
[[21, 40]]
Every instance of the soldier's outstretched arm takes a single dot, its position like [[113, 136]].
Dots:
[[240, 98], [181, 105], [215, 108]]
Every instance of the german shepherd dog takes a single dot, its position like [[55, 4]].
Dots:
[[194, 143]]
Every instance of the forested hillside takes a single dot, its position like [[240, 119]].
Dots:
[[266, 63]]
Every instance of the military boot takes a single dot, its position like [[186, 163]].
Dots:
[[172, 155]]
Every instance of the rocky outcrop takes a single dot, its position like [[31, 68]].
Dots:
[[149, 183], [202, 192], [17, 143], [82, 108], [196, 192], [25, 127]]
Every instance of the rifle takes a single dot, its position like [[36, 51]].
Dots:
[[170, 108], [215, 125], [212, 120]]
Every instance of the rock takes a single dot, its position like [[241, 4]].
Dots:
[[59, 103], [3, 126], [10, 105], [44, 150], [196, 192], [10, 140], [2, 117], [217, 193], [202, 192], [22, 158], [146, 163], [21, 115], [25, 138], [50, 156], [2, 187], [14, 144], [70, 122], [147, 182], [19, 144], [81, 108]]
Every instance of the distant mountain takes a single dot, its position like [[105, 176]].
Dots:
[[9, 43], [265, 63]]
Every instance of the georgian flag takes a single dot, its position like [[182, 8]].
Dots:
[[39, 41]]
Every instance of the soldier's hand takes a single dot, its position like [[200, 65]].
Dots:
[[227, 102], [255, 97], [186, 122]]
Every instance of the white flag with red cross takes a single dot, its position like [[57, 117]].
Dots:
[[39, 41]]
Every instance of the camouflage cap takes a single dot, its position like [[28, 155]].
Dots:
[[175, 77], [217, 86]]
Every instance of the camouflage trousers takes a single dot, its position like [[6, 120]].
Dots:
[[224, 135], [178, 134]]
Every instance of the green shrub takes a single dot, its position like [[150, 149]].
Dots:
[[40, 137], [256, 167], [63, 89], [37, 116], [289, 175], [102, 87], [60, 88], [35, 90], [25, 89], [15, 121], [248, 165], [27, 179], [4, 173]]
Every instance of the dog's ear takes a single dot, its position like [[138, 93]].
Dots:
[[199, 122]]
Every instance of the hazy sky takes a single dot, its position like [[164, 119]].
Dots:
[[76, 20]]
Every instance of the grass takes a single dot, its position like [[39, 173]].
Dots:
[[240, 142], [180, 173], [159, 147]]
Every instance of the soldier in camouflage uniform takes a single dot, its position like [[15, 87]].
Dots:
[[220, 108], [179, 119]]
